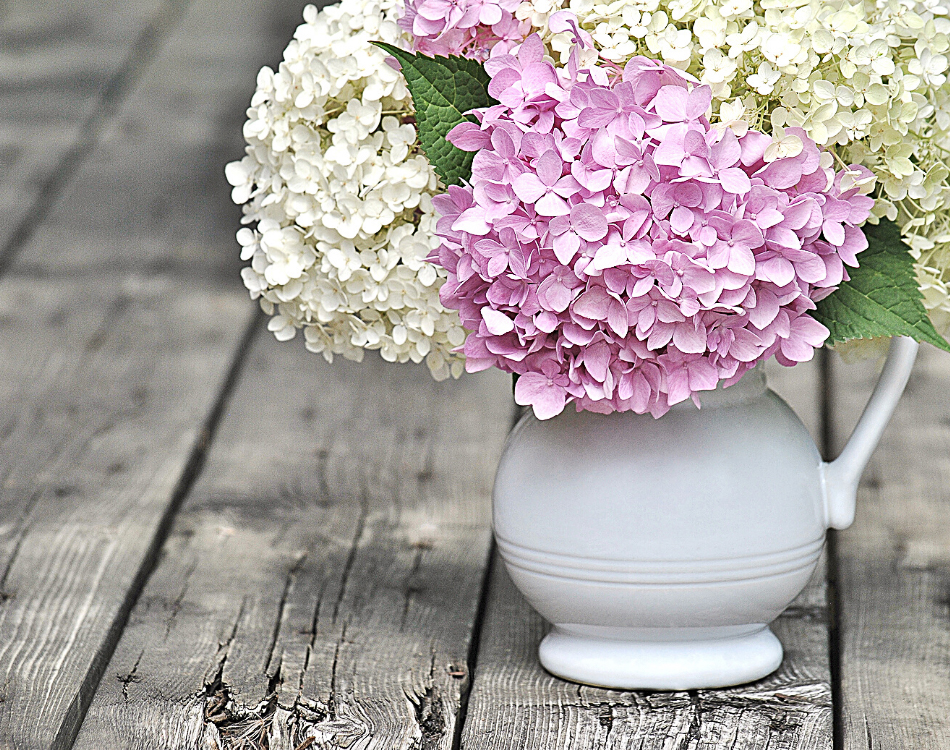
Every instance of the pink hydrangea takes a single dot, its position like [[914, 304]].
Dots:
[[469, 28], [616, 250]]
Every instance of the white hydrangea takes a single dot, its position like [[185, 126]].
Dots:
[[339, 198], [866, 79]]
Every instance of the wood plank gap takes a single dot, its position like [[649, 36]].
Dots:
[[476, 642], [827, 447], [69, 729], [474, 646], [110, 101], [834, 637]]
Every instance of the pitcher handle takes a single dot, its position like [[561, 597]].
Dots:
[[841, 476]]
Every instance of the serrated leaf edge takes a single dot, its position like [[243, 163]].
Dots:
[[922, 330], [447, 174]]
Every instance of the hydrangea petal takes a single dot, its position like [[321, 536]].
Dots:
[[638, 263], [537, 391]]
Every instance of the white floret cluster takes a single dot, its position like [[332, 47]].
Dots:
[[868, 80], [339, 199]]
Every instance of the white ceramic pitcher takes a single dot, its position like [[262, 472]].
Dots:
[[661, 549]]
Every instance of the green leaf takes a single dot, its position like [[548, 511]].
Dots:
[[881, 298], [443, 90]]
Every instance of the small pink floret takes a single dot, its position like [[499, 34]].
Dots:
[[467, 28], [616, 251]]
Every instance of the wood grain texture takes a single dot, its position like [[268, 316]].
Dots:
[[516, 704], [893, 567], [100, 418], [323, 577], [64, 68], [163, 155], [112, 370]]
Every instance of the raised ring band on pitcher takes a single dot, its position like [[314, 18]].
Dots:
[[660, 572]]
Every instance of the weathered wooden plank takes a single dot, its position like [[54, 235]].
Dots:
[[516, 704], [113, 370], [893, 567], [64, 68], [167, 149], [323, 577], [103, 400]]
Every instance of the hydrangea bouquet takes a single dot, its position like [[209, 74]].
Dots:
[[623, 204]]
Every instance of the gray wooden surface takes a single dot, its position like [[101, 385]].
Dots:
[[322, 580], [65, 66], [212, 540], [114, 366], [893, 567]]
